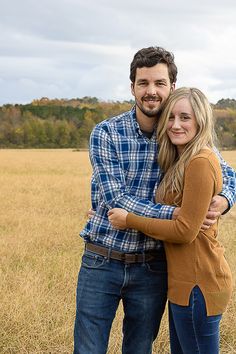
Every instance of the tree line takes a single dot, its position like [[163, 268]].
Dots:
[[65, 123]]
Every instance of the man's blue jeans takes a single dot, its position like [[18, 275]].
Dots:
[[102, 283], [191, 330]]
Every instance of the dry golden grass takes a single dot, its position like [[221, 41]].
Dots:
[[44, 197]]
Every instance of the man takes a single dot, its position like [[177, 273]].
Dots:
[[126, 265]]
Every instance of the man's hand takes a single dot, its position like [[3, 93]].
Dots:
[[211, 219], [117, 218], [90, 213], [218, 205], [175, 213]]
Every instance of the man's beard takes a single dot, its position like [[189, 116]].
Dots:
[[151, 113]]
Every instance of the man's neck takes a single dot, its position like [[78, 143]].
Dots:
[[146, 124]]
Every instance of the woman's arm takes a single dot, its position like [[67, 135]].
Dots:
[[202, 181]]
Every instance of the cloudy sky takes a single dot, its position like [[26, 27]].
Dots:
[[77, 48]]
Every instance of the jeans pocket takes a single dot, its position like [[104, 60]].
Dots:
[[93, 261], [157, 267]]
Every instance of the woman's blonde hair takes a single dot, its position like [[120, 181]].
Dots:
[[170, 162]]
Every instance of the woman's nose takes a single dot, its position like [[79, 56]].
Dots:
[[176, 123]]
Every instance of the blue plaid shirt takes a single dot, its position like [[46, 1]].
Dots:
[[125, 175]]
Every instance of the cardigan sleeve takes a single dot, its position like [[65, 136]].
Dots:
[[200, 185]]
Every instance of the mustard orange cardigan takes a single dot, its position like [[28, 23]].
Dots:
[[194, 257]]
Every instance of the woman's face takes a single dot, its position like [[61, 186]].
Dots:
[[182, 126]]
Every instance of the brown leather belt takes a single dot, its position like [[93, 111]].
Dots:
[[127, 257]]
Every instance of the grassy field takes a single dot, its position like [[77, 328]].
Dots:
[[44, 198]]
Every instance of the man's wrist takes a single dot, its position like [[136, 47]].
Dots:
[[227, 205]]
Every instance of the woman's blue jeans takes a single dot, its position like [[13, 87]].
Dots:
[[102, 283], [191, 330]]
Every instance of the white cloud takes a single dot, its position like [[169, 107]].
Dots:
[[73, 48]]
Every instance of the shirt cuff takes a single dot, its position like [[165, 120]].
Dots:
[[229, 199]]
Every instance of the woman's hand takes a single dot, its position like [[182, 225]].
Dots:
[[117, 218]]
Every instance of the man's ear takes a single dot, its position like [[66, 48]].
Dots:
[[132, 88], [172, 88]]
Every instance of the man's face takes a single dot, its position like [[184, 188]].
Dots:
[[151, 89]]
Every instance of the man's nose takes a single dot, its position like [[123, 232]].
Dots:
[[151, 89]]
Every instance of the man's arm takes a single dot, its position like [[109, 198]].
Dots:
[[228, 190], [110, 177], [221, 203]]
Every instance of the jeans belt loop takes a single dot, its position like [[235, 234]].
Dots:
[[143, 257], [109, 254], [122, 257]]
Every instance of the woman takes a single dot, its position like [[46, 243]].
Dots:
[[199, 278]]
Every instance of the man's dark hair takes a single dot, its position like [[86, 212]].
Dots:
[[148, 57]]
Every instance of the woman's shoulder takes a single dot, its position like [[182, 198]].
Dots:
[[206, 166], [206, 158], [206, 154]]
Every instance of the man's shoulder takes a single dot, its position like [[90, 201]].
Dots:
[[116, 121]]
